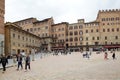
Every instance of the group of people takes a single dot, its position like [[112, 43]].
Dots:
[[62, 52], [106, 56], [87, 55], [19, 58]]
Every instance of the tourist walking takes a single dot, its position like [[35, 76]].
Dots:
[[3, 61], [27, 62], [19, 60], [106, 56], [113, 56]]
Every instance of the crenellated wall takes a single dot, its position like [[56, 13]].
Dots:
[[110, 10]]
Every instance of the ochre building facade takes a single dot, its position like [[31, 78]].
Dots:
[[102, 33], [18, 40]]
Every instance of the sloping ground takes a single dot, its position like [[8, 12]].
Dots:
[[68, 67]]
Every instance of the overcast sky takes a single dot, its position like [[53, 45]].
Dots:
[[60, 10]]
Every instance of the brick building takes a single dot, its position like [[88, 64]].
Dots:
[[2, 12], [102, 33]]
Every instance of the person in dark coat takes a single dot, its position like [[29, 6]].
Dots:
[[113, 56], [27, 62], [19, 60], [4, 61]]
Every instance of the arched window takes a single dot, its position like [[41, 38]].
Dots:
[[103, 30], [81, 32], [75, 33], [70, 28], [71, 39], [91, 30], [71, 33], [86, 31], [75, 27], [75, 39]]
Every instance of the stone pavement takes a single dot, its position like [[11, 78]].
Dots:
[[68, 67]]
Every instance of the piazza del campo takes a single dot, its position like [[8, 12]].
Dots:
[[60, 51]]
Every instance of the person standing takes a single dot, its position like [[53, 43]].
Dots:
[[113, 56], [4, 61], [27, 62], [19, 60]]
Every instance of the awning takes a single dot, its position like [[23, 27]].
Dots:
[[59, 47], [111, 46]]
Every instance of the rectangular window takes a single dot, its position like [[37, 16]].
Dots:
[[86, 38], [70, 28], [105, 37], [97, 38], [105, 43], [38, 29], [112, 30], [13, 35], [22, 38], [86, 43], [103, 30], [81, 26], [108, 30], [18, 36], [28, 30], [117, 29], [62, 29], [75, 44], [86, 31], [31, 29], [116, 37], [91, 30], [97, 30]]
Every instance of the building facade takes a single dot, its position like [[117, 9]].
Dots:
[[2, 12], [18, 40], [109, 28], [40, 28], [59, 35], [102, 33], [75, 35]]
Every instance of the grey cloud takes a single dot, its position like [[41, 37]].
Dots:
[[61, 10]]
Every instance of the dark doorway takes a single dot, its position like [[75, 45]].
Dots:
[[18, 51], [96, 43]]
